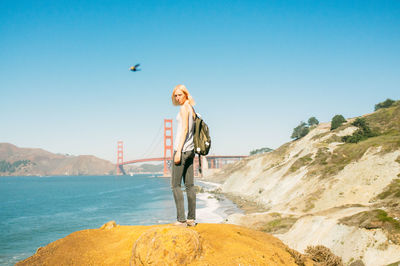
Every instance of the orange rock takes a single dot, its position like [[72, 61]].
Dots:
[[205, 244], [168, 245], [109, 225]]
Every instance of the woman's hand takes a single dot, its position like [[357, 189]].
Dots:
[[177, 157]]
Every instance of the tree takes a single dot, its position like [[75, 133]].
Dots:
[[261, 150], [313, 121], [384, 104], [337, 121], [300, 131]]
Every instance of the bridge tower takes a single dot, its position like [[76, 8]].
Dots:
[[120, 156], [168, 144]]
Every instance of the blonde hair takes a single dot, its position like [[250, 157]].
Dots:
[[185, 91]]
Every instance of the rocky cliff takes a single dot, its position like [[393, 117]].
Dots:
[[321, 190], [17, 161]]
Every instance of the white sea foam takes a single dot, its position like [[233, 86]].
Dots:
[[208, 185], [216, 208], [163, 221], [208, 214]]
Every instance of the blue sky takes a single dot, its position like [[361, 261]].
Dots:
[[255, 68]]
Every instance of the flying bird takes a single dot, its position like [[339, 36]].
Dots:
[[135, 68]]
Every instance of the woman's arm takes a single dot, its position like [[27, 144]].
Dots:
[[184, 113]]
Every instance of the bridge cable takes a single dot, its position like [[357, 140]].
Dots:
[[153, 142], [156, 147], [150, 147]]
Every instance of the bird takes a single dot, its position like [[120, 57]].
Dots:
[[135, 68]]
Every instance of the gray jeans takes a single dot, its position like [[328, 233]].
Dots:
[[184, 170]]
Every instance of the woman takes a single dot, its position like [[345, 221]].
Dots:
[[182, 168]]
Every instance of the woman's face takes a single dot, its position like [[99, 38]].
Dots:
[[180, 97]]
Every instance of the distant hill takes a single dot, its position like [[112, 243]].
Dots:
[[144, 168], [17, 161]]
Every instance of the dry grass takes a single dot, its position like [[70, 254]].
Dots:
[[242, 164], [333, 138], [279, 226], [278, 154], [312, 197], [299, 163], [323, 256], [299, 258], [385, 119], [391, 191], [275, 158], [319, 136], [375, 219], [309, 204]]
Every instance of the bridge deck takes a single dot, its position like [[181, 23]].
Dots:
[[169, 158]]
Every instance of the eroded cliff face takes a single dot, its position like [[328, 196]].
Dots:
[[312, 186], [288, 181]]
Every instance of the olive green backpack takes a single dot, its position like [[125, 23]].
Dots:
[[201, 138]]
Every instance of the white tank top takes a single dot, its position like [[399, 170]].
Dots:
[[188, 145]]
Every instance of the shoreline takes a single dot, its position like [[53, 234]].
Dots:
[[247, 206], [217, 207], [222, 205]]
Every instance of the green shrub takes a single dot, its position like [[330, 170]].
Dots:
[[364, 132], [384, 104], [313, 121], [355, 138], [337, 121], [261, 150], [300, 131]]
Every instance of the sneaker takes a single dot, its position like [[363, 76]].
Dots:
[[177, 223], [190, 222]]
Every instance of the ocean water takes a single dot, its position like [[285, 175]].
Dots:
[[35, 211]]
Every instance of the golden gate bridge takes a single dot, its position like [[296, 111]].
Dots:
[[212, 161]]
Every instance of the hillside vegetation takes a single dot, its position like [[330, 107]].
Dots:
[[324, 190]]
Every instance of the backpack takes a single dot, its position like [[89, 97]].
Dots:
[[201, 138]]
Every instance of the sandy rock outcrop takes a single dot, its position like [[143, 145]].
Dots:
[[204, 244], [109, 225], [169, 245]]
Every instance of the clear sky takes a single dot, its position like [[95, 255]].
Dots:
[[255, 68]]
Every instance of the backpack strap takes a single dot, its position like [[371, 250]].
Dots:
[[200, 170], [195, 114], [198, 155]]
